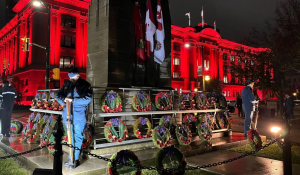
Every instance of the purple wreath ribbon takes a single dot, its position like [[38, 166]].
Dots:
[[161, 130], [45, 117], [204, 125], [143, 121], [167, 118], [181, 129], [47, 129], [190, 118], [50, 119], [112, 96], [34, 126], [86, 127], [52, 94], [207, 117], [141, 95], [122, 156], [169, 151], [163, 96], [201, 96], [185, 96], [37, 117], [37, 95], [44, 95], [115, 121]]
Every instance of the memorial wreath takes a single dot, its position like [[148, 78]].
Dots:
[[169, 122], [16, 127], [89, 136], [189, 98], [190, 121], [201, 101], [163, 101], [221, 121], [110, 132], [110, 102], [124, 156], [183, 134], [161, 137], [204, 131], [211, 99], [142, 121], [141, 101], [254, 139]]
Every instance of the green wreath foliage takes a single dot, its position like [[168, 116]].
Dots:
[[124, 156], [254, 139], [221, 121], [141, 101], [169, 122], [191, 122], [212, 100], [142, 121], [110, 102], [204, 131], [167, 156], [161, 137], [35, 131], [201, 102], [111, 134], [89, 136], [16, 127], [183, 134], [186, 97]]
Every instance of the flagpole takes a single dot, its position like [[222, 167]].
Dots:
[[189, 18], [202, 15]]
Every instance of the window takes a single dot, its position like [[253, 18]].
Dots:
[[228, 93], [176, 75], [224, 68], [65, 62], [67, 41], [232, 58], [233, 94], [176, 47], [225, 79], [68, 21], [252, 62], [246, 60], [225, 57], [26, 82], [176, 61], [239, 59], [206, 64]]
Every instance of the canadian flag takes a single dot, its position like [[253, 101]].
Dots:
[[159, 53], [150, 30]]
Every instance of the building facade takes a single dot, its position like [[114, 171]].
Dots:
[[197, 48], [68, 42]]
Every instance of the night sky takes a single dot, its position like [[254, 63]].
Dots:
[[234, 18]]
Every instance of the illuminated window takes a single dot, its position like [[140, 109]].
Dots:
[[239, 59], [176, 47], [252, 62], [176, 61], [233, 94], [228, 93], [224, 68], [225, 79], [231, 58], [246, 60], [176, 74], [225, 57], [65, 62], [68, 41], [68, 21]]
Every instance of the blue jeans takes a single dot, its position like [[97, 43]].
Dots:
[[77, 138], [247, 124]]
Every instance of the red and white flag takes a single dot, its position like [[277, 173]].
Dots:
[[150, 30], [140, 49], [159, 53]]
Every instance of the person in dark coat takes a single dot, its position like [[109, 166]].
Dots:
[[239, 103], [79, 93], [248, 105], [289, 111], [7, 98]]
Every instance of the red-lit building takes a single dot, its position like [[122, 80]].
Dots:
[[68, 42], [190, 45]]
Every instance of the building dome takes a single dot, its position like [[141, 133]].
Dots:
[[211, 32]]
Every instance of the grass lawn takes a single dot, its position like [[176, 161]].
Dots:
[[10, 167], [271, 152]]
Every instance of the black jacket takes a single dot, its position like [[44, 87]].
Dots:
[[7, 97], [289, 105]]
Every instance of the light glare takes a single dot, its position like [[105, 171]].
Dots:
[[275, 129], [37, 3], [187, 45]]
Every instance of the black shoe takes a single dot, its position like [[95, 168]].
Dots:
[[72, 165]]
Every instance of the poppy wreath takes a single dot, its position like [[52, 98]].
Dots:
[[161, 137], [110, 132], [142, 121], [254, 139], [204, 131], [206, 118], [190, 121], [34, 103], [89, 132], [221, 121], [141, 101], [35, 132], [163, 101], [205, 144], [16, 127], [52, 138], [48, 105], [124, 156], [183, 134], [201, 102], [169, 122], [183, 148], [186, 97], [26, 131], [211, 99], [31, 117], [222, 101], [43, 123], [110, 102], [173, 154], [47, 131]]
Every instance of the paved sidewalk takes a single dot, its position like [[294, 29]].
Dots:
[[250, 165]]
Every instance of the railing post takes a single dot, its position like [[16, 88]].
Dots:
[[287, 160], [58, 153]]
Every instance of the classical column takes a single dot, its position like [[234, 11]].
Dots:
[[53, 38]]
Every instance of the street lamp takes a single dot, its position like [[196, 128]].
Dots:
[[187, 45], [207, 78], [39, 3]]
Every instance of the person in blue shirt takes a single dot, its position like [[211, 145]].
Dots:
[[79, 93], [248, 105]]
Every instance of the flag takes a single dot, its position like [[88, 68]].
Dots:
[[140, 49], [202, 14], [187, 14], [150, 29], [159, 53]]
